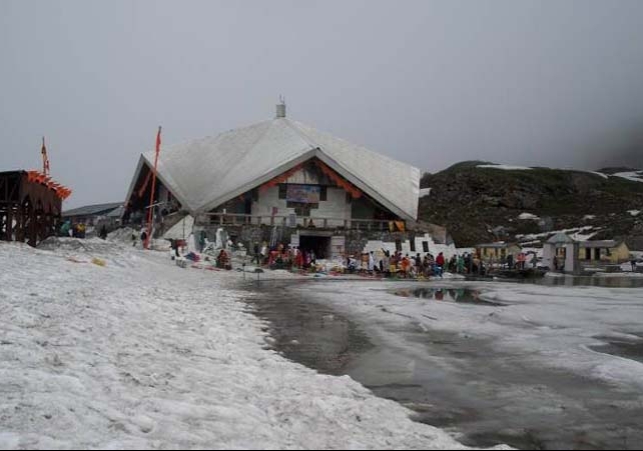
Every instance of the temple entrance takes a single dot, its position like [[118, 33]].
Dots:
[[320, 245]]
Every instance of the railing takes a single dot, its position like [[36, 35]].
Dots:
[[290, 221]]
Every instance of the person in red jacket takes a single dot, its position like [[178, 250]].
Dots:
[[440, 261]]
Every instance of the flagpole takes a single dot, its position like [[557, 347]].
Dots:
[[45, 158], [150, 213]]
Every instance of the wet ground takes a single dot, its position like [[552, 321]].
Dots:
[[310, 333], [455, 382], [458, 295], [630, 349]]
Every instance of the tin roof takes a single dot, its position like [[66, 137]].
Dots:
[[604, 244], [93, 210]]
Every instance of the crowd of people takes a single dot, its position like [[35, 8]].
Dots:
[[406, 266], [79, 230], [75, 230], [383, 263], [282, 257]]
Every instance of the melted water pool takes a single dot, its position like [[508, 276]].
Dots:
[[459, 295]]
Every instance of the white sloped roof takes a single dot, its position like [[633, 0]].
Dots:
[[208, 172]]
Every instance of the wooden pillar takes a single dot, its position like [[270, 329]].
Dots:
[[3, 227], [9, 227], [33, 227], [20, 224]]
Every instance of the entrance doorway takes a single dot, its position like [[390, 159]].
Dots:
[[320, 245]]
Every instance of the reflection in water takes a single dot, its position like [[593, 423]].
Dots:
[[459, 295], [311, 333]]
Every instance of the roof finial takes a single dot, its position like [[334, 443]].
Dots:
[[281, 107]]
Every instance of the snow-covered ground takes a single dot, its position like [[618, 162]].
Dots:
[[106, 346], [551, 327]]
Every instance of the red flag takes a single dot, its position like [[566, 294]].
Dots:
[[150, 213]]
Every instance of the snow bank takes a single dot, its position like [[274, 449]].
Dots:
[[634, 212], [142, 354], [525, 216]]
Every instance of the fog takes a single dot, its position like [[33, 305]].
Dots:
[[431, 83]]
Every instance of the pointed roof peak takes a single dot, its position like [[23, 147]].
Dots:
[[281, 108]]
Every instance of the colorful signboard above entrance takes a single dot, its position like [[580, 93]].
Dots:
[[304, 194]]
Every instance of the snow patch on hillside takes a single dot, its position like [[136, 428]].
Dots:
[[504, 167], [528, 216], [634, 176]]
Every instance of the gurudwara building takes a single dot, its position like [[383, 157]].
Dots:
[[283, 181]]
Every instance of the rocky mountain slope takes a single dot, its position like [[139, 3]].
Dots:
[[482, 202]]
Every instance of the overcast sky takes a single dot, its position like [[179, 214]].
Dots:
[[550, 83]]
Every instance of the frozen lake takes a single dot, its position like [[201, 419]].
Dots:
[[530, 366]]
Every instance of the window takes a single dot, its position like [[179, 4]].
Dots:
[[398, 245], [283, 191], [323, 193], [425, 247], [412, 244]]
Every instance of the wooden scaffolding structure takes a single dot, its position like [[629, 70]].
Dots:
[[30, 206]]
